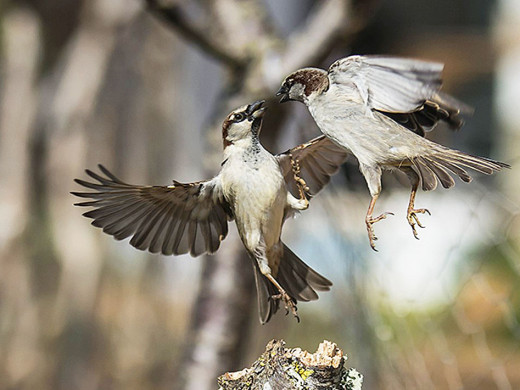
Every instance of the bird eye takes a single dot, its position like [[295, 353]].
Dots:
[[238, 117]]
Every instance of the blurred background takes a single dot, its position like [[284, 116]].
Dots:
[[142, 87]]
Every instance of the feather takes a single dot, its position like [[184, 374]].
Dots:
[[156, 217], [319, 159], [443, 176], [389, 84], [428, 179]]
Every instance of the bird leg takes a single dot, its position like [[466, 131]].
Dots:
[[265, 269], [369, 220], [300, 183], [412, 212], [289, 303]]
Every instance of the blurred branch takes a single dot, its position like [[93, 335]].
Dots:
[[333, 20], [198, 35], [287, 369], [306, 45]]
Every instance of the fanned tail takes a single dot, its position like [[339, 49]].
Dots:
[[437, 165], [298, 279]]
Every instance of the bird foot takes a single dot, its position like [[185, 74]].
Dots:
[[289, 303], [369, 220], [414, 220], [300, 183]]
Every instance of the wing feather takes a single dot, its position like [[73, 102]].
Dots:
[[169, 239], [406, 90], [176, 219], [160, 232], [389, 84], [319, 159]]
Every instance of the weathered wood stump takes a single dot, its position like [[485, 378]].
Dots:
[[281, 368]]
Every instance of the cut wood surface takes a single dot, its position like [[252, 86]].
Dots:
[[284, 368]]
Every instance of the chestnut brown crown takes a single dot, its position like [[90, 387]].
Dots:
[[301, 84]]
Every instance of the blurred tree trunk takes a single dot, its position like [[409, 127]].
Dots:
[[64, 272]]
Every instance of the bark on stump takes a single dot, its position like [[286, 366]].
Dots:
[[281, 368]]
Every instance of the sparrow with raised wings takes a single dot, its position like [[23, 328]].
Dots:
[[253, 188], [379, 108]]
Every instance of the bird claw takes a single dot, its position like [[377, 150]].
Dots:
[[370, 229], [300, 183], [414, 220], [289, 303]]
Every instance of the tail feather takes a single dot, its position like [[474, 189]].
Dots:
[[429, 182], [292, 262], [443, 176], [432, 167], [298, 279], [479, 164], [461, 173]]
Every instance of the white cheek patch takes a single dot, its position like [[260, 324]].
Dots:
[[239, 130]]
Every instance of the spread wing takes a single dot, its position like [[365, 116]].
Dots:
[[175, 219], [387, 83], [406, 90], [319, 159]]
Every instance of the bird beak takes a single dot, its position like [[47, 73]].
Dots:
[[256, 109], [259, 113], [284, 93]]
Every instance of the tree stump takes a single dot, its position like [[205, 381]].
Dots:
[[281, 368]]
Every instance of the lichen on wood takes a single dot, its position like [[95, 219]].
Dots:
[[280, 368]]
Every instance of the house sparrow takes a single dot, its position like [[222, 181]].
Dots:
[[379, 109], [253, 188]]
